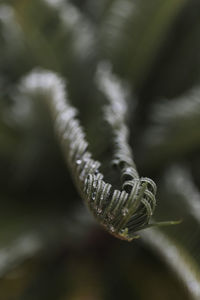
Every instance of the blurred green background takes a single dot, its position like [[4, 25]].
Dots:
[[50, 247]]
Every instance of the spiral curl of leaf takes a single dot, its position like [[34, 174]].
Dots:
[[124, 212]]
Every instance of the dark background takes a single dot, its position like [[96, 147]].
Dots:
[[50, 247]]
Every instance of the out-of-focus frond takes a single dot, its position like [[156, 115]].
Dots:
[[133, 31], [181, 196], [174, 130], [177, 259]]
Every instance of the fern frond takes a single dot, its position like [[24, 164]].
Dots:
[[133, 32], [177, 259], [175, 128], [121, 212], [180, 191]]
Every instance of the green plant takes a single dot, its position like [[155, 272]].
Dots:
[[51, 248]]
